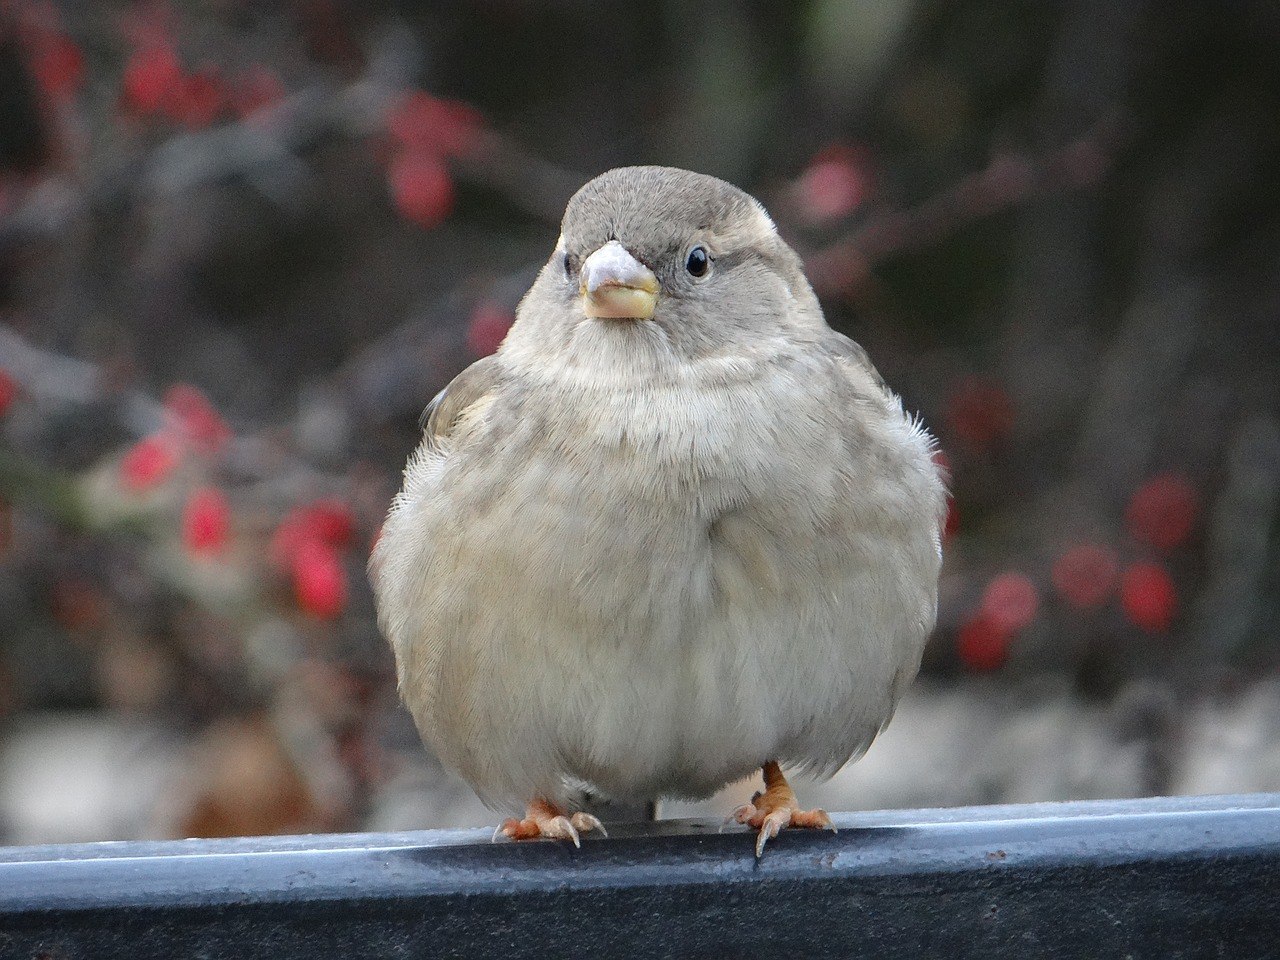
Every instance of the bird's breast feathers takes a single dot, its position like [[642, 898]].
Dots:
[[612, 581]]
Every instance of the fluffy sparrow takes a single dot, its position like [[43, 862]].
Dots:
[[675, 530]]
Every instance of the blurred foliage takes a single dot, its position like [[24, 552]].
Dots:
[[242, 244]]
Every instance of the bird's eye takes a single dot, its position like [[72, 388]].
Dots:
[[698, 263], [568, 265]]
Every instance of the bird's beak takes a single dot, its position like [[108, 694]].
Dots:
[[617, 285]]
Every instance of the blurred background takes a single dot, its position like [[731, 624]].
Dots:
[[242, 244]]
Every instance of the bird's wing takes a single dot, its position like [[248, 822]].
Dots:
[[850, 353], [468, 388]]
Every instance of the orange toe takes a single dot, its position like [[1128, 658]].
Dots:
[[776, 809], [544, 819]]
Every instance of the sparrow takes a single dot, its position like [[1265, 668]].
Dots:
[[674, 531]]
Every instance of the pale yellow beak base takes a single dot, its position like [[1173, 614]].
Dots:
[[620, 303], [616, 285]]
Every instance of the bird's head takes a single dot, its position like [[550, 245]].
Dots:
[[666, 261]]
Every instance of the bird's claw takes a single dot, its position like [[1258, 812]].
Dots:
[[560, 828], [732, 818], [553, 826], [586, 822], [771, 822], [743, 814], [770, 828], [531, 828]]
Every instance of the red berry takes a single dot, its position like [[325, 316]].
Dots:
[[322, 521], [1085, 575], [1149, 597], [488, 326], [206, 521], [422, 188], [983, 643], [431, 125], [59, 67], [979, 412], [148, 462], [198, 100], [196, 419], [319, 580], [288, 538], [151, 76], [8, 391], [329, 521], [1163, 511], [835, 184], [1011, 601]]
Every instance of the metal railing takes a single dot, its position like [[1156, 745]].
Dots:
[[1186, 877]]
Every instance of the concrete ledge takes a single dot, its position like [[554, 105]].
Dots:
[[1182, 877]]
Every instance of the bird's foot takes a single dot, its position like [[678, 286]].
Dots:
[[544, 819], [777, 808]]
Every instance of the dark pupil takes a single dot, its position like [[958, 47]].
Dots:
[[698, 262], [568, 263]]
